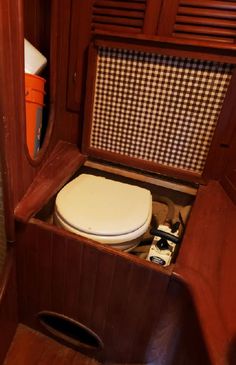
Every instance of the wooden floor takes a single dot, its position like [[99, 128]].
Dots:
[[32, 348]]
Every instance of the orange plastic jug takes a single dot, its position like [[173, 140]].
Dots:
[[34, 95]]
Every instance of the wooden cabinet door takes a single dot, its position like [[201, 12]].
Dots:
[[209, 20], [114, 17]]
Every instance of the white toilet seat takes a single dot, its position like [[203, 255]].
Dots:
[[104, 210]]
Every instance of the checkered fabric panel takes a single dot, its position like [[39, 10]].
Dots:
[[157, 108]]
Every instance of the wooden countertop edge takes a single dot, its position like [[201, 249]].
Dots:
[[63, 162]]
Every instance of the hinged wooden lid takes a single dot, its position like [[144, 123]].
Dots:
[[152, 110]]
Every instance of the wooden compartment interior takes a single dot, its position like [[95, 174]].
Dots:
[[182, 197]]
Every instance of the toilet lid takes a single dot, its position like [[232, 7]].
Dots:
[[101, 206]]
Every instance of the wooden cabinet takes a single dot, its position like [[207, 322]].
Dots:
[[118, 16], [202, 30], [208, 20]]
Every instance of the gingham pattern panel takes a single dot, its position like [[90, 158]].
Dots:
[[157, 108]]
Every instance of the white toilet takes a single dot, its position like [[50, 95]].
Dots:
[[107, 211]]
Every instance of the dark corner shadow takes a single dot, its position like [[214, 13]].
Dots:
[[232, 352]]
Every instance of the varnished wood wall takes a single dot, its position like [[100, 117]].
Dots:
[[140, 313], [118, 299], [8, 304], [2, 227]]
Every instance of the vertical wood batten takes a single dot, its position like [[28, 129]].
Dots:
[[11, 66], [103, 292], [45, 259], [80, 36], [167, 17], [86, 284], [58, 273], [74, 268], [152, 16]]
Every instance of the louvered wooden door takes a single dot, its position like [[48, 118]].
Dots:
[[189, 21], [126, 17], [209, 20], [118, 16]]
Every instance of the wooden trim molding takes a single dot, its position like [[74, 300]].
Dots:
[[214, 51], [113, 153], [144, 165], [63, 162]]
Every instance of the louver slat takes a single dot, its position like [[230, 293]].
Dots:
[[205, 22], [209, 20], [204, 12], [118, 16], [227, 5]]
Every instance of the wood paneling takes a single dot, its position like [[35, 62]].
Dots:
[[12, 137], [8, 304], [80, 37], [3, 245], [182, 341], [229, 181], [206, 262], [139, 314], [228, 178], [120, 300], [65, 123], [33, 348]]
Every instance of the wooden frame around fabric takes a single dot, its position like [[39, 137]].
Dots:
[[178, 173]]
